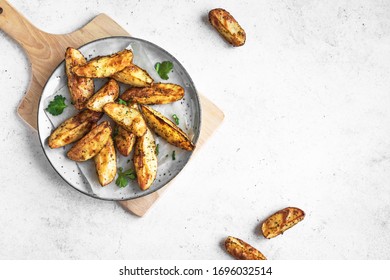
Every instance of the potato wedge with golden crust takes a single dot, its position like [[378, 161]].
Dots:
[[281, 221], [145, 160], [127, 117], [242, 250], [80, 88], [91, 144], [134, 76], [104, 66], [124, 141], [108, 93], [105, 162], [73, 129], [166, 129], [155, 94], [227, 26]]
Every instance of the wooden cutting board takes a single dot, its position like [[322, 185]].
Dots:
[[45, 51]]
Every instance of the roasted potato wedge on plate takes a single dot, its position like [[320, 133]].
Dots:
[[73, 129], [91, 144], [105, 162], [108, 93], [80, 88], [134, 76], [155, 94], [124, 141], [242, 250], [104, 66], [166, 129]]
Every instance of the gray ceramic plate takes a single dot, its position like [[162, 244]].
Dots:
[[82, 176]]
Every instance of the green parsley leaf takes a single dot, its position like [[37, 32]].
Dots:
[[163, 69], [157, 149], [124, 176], [116, 131], [176, 119], [174, 155], [57, 105], [120, 101]]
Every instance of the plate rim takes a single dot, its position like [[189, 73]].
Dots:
[[194, 140]]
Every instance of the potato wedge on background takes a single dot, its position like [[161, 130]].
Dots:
[[242, 250], [145, 160], [80, 88], [134, 76], [281, 221], [166, 129], [124, 141], [108, 93], [104, 66], [127, 117], [227, 26], [155, 94], [105, 162], [73, 129], [91, 144]]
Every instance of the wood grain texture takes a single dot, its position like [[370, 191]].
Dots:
[[45, 51]]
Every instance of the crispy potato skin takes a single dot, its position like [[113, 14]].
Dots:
[[124, 141], [105, 162], [155, 94], [145, 160], [134, 76], [91, 144], [108, 93], [281, 221], [227, 26], [242, 250], [73, 129], [127, 117], [80, 88], [166, 129], [104, 66]]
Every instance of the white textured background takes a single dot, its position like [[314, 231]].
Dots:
[[307, 124]]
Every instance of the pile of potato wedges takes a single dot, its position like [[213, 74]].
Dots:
[[133, 118]]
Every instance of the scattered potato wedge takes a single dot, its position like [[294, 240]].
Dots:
[[242, 250], [227, 26], [91, 144], [155, 94], [108, 93], [73, 129], [281, 221], [124, 141], [105, 162], [145, 160], [80, 88], [104, 66], [166, 129], [127, 117], [134, 76]]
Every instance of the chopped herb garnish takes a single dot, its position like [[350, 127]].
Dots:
[[57, 105], [176, 119], [115, 133], [123, 177], [163, 69], [174, 155], [157, 149], [122, 102]]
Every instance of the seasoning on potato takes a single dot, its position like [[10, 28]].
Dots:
[[155, 94], [227, 26], [281, 221], [242, 250], [134, 76], [108, 93], [105, 162]]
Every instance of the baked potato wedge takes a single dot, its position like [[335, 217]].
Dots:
[[134, 76], [80, 88], [108, 93], [145, 160], [73, 129], [127, 117], [227, 26], [124, 141], [104, 66], [91, 144], [166, 129], [242, 250], [105, 162], [281, 221], [155, 94]]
